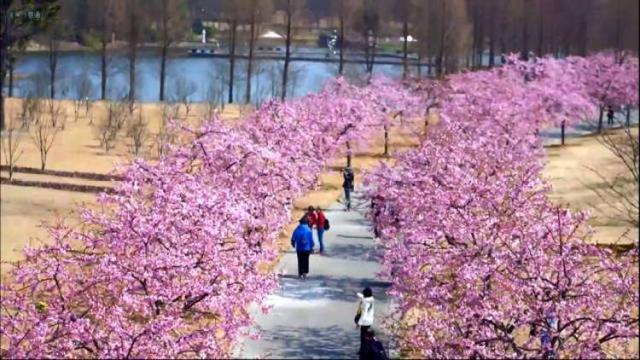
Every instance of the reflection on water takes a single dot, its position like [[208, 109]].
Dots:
[[195, 78]]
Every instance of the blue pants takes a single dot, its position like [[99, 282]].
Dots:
[[320, 233], [347, 196]]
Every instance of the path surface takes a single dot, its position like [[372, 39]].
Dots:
[[313, 318]]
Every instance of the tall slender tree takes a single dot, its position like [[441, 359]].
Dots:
[[287, 55], [20, 21], [171, 25]]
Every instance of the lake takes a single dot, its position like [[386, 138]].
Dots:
[[199, 79]]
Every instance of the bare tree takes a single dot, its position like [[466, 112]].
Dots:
[[11, 145], [173, 16], [621, 193], [82, 96], [102, 21], [43, 134], [367, 21], [183, 89], [108, 127], [31, 106], [164, 136], [135, 24], [53, 53], [444, 31], [215, 95], [138, 132], [255, 12], [291, 9], [55, 113]]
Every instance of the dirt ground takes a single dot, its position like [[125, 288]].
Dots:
[[571, 169]]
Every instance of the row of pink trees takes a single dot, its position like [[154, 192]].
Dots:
[[169, 265], [483, 264]]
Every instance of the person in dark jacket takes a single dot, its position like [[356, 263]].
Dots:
[[347, 185], [610, 114], [373, 348], [302, 241]]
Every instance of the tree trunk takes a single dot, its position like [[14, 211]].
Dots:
[[133, 51], [53, 64], [386, 141], [372, 54], [600, 119], [492, 44], [348, 154], [250, 59], [103, 69], [628, 115], [163, 69], [405, 50], [165, 47], [341, 66], [11, 65], [132, 73], [562, 130], [525, 33], [232, 59], [440, 56], [3, 51], [540, 28], [287, 52]]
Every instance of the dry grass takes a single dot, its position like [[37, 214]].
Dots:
[[569, 169], [76, 148]]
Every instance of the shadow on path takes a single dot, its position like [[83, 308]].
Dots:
[[333, 342], [329, 288]]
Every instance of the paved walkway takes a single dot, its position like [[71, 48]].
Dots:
[[313, 318]]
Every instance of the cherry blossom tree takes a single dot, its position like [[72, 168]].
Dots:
[[172, 260], [483, 265]]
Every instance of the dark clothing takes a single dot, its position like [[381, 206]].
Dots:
[[347, 196], [303, 262], [363, 331], [348, 179], [373, 350]]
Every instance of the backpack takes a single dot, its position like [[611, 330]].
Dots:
[[378, 351], [326, 224]]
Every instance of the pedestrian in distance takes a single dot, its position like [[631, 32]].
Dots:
[[309, 215], [302, 241], [364, 314], [321, 224], [347, 185], [373, 348], [610, 114]]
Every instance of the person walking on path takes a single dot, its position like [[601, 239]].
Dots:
[[347, 185], [319, 221], [364, 315], [302, 241]]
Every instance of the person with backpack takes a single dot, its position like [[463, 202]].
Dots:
[[302, 241], [364, 314], [373, 348], [347, 185], [321, 223]]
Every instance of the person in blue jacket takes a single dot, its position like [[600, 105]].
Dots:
[[302, 241]]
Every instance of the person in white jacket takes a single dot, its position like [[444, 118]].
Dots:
[[364, 316]]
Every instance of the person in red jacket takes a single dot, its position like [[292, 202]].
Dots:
[[319, 222]]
